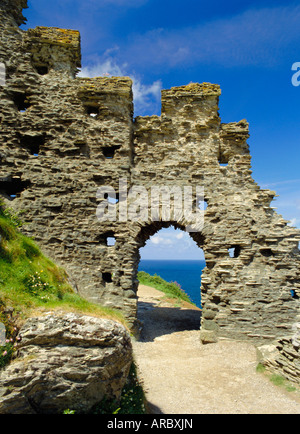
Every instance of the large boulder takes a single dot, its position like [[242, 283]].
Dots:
[[65, 361]]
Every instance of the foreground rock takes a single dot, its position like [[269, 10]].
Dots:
[[66, 361]]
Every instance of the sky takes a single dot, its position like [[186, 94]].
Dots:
[[248, 47]]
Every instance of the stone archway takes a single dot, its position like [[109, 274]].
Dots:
[[168, 314], [64, 137]]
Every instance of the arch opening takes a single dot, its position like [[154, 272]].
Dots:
[[168, 253]]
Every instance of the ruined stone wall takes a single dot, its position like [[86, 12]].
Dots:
[[63, 137]]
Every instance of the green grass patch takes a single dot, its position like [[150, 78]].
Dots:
[[261, 369], [276, 379], [170, 289], [30, 282]]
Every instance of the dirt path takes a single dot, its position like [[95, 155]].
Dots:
[[182, 376]]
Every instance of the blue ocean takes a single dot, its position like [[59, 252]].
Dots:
[[186, 273]]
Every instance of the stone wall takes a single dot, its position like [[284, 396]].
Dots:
[[63, 137], [283, 355]]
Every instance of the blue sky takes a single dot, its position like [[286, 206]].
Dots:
[[247, 47]]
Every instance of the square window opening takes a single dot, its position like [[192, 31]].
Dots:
[[107, 277]]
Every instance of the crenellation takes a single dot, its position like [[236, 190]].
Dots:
[[54, 50]]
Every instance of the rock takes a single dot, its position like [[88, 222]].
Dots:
[[208, 337], [267, 354], [65, 361]]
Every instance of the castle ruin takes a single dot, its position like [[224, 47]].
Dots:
[[63, 137]]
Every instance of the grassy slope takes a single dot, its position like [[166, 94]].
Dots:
[[29, 281], [170, 289]]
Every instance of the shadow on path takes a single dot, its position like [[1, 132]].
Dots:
[[161, 320]]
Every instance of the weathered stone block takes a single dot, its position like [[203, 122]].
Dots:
[[65, 361]]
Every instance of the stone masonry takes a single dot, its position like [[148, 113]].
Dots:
[[63, 137]]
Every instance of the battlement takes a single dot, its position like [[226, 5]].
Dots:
[[52, 48], [193, 100], [193, 90], [102, 96]]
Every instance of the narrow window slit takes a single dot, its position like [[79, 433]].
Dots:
[[203, 204], [111, 241], [21, 102], [108, 239], [294, 295], [109, 151], [234, 251]]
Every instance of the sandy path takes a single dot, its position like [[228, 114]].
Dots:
[[182, 376]]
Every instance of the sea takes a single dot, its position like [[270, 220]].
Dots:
[[186, 273]]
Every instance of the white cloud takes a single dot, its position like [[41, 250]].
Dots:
[[156, 240], [143, 94], [254, 37], [171, 244], [281, 183], [161, 240], [146, 96], [294, 222], [172, 237], [101, 69]]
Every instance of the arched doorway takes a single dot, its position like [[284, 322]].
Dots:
[[175, 256]]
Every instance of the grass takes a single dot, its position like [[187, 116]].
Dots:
[[276, 379], [170, 289], [132, 399], [31, 283]]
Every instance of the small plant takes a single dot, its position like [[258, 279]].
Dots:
[[10, 337], [6, 353], [260, 368], [10, 214], [69, 411], [7, 350], [132, 399], [36, 286]]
